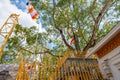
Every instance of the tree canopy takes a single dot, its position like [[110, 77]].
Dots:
[[88, 20]]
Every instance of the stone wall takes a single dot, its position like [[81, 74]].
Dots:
[[8, 72]]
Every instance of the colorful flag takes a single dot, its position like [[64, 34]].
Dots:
[[28, 67], [32, 12], [72, 40]]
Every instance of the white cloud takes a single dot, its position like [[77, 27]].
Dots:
[[6, 8]]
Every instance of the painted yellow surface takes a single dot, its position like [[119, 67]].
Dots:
[[7, 29]]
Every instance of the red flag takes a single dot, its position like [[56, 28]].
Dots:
[[28, 67], [32, 12], [72, 41]]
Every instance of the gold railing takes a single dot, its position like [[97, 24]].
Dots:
[[22, 73], [78, 69], [60, 63], [66, 68], [7, 29], [69, 68]]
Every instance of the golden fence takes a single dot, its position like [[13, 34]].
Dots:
[[79, 69], [66, 68]]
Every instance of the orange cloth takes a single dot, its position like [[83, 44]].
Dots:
[[72, 41], [29, 67], [32, 12]]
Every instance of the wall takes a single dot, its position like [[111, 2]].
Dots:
[[113, 61], [10, 69]]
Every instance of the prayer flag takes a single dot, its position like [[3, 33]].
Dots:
[[32, 12], [72, 41], [29, 67]]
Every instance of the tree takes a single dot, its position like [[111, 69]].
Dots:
[[26, 42], [87, 20]]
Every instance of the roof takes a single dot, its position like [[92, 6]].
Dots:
[[106, 39]]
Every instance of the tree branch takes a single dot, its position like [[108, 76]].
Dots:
[[47, 51], [98, 19], [63, 38], [82, 35], [77, 46], [92, 16], [104, 9], [91, 9], [61, 33]]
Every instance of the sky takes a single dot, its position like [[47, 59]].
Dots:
[[8, 7]]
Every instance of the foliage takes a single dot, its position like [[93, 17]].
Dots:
[[26, 42], [76, 17]]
